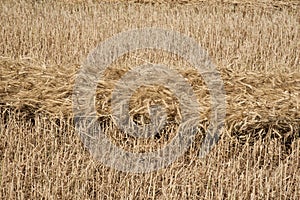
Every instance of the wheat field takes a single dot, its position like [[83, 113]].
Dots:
[[253, 44]]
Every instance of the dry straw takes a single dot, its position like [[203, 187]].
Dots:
[[258, 104], [255, 46]]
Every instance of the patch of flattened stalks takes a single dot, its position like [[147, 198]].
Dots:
[[32, 87], [261, 105], [258, 104]]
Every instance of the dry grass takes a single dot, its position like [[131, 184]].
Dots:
[[255, 46]]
